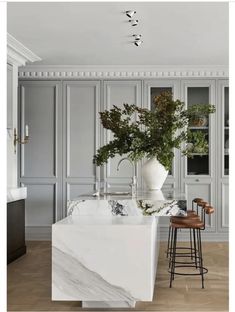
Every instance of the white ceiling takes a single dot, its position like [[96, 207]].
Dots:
[[86, 33]]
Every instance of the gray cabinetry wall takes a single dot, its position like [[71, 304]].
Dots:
[[81, 104], [40, 159], [117, 93], [65, 132], [202, 182]]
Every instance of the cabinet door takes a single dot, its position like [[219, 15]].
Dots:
[[198, 173], [41, 158], [117, 93], [202, 188], [200, 92], [223, 156], [81, 136]]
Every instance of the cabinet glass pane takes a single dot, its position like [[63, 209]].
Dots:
[[199, 164], [155, 91], [226, 131]]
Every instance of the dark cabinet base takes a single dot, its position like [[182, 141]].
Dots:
[[15, 230], [16, 254]]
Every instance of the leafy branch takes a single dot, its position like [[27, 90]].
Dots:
[[140, 132]]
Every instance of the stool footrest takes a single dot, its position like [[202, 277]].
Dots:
[[205, 270]]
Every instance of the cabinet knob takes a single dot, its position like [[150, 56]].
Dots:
[[197, 180]]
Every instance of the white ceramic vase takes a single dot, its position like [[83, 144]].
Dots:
[[154, 174]]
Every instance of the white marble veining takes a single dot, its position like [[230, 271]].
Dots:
[[105, 252], [104, 258], [126, 207], [17, 193]]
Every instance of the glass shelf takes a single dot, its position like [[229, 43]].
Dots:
[[198, 128]]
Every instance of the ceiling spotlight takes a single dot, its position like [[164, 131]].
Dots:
[[133, 22], [137, 37], [130, 13], [138, 42]]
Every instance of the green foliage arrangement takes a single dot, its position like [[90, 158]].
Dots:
[[140, 132]]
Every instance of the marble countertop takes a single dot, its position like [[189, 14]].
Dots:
[[16, 193], [126, 207]]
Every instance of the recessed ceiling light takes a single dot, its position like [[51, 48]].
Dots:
[[138, 42], [130, 13], [133, 22], [137, 37]]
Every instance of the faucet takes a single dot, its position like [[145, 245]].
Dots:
[[134, 179]]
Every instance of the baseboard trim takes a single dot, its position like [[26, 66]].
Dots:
[[42, 233], [38, 233]]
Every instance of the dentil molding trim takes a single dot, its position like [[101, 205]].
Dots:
[[18, 54], [121, 71]]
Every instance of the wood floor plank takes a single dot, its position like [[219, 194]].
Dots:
[[29, 283]]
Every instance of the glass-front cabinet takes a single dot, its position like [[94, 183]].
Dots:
[[226, 130], [198, 172], [223, 156], [199, 164], [200, 92]]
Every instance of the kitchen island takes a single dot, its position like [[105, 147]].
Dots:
[[105, 252]]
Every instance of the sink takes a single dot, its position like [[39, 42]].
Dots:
[[16, 193]]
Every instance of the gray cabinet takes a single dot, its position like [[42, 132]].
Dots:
[[117, 93], [198, 174], [41, 158], [65, 132], [81, 105], [56, 164], [223, 156]]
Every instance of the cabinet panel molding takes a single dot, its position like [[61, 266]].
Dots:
[[39, 103], [82, 105], [225, 205], [117, 93], [41, 203], [75, 189]]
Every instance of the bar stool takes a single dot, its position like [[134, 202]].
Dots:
[[196, 226], [191, 214]]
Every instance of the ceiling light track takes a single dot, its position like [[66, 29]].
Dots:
[[134, 22]]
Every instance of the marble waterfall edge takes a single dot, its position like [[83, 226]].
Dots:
[[105, 259]]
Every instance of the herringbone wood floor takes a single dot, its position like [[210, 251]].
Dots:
[[29, 283]]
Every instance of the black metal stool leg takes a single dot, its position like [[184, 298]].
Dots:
[[173, 256], [168, 242], [191, 246], [195, 248], [171, 246], [200, 256]]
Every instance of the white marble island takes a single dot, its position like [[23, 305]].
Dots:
[[105, 252]]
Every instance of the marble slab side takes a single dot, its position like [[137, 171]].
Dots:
[[126, 207], [104, 259]]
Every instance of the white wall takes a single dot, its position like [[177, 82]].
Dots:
[[11, 154]]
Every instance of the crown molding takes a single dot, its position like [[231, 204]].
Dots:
[[18, 54], [121, 71]]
